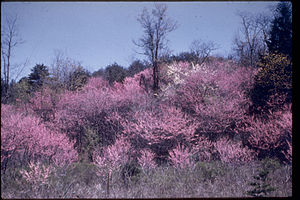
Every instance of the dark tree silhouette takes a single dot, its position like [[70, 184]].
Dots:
[[136, 67], [280, 40], [38, 75], [154, 42], [114, 73]]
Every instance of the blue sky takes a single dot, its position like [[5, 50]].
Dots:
[[100, 33]]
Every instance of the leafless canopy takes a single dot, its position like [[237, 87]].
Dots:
[[62, 67], [156, 27], [202, 50], [250, 42], [153, 43], [9, 40]]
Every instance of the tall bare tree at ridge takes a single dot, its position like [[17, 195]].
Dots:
[[156, 26]]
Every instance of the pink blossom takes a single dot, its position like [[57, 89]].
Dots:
[[233, 152], [37, 174], [271, 135], [146, 159], [180, 157], [26, 135], [159, 124], [214, 95], [203, 147], [114, 155], [288, 153]]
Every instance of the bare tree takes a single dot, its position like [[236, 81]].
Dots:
[[156, 26], [264, 22], [202, 50], [10, 39], [62, 68], [250, 41]]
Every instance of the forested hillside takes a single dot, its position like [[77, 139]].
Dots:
[[178, 126], [201, 114]]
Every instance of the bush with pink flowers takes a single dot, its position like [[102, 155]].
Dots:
[[200, 115], [25, 138], [272, 137]]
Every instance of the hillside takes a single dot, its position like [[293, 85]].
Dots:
[[198, 120]]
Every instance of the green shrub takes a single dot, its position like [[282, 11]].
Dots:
[[270, 164], [273, 83], [115, 73], [66, 179]]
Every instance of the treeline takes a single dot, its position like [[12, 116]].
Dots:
[[260, 37], [175, 111], [68, 74]]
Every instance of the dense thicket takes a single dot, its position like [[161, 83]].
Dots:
[[272, 87], [202, 107], [206, 109]]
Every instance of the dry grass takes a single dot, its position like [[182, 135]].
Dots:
[[213, 179]]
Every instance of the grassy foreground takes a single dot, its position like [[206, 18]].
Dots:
[[204, 179]]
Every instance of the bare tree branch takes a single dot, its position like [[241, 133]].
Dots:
[[250, 42], [10, 39], [62, 67], [202, 50], [153, 43]]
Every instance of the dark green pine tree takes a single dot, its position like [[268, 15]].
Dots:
[[38, 75], [280, 39]]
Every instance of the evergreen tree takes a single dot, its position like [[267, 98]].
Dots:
[[38, 76], [280, 39]]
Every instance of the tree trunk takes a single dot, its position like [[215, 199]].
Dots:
[[155, 77]]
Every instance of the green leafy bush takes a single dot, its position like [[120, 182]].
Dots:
[[115, 73], [273, 83]]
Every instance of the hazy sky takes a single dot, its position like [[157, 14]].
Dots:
[[101, 33]]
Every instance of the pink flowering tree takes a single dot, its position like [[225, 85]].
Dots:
[[180, 157], [92, 108], [146, 159], [159, 128], [37, 176], [288, 153], [133, 93], [43, 104], [233, 152], [112, 158], [203, 148], [37, 173], [25, 138], [81, 115], [272, 137], [214, 94]]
